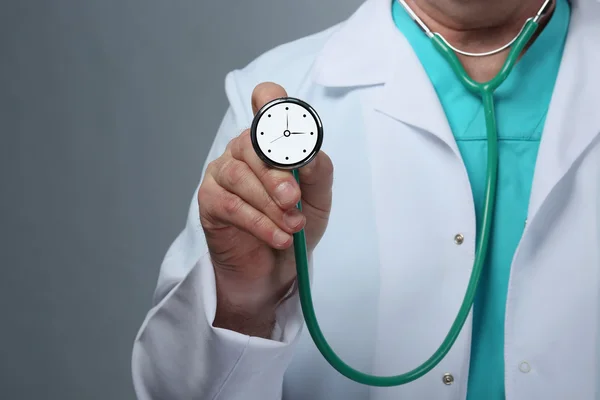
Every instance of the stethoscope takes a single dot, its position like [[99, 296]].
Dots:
[[287, 133]]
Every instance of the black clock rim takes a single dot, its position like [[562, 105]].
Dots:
[[263, 156]]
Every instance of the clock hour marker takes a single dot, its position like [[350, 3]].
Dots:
[[304, 115], [262, 133], [305, 150], [287, 158], [312, 133], [269, 150], [269, 115], [287, 108]]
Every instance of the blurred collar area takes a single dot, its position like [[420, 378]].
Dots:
[[367, 48]]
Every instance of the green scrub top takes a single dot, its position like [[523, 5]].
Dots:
[[522, 103]]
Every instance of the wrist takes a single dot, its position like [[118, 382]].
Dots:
[[248, 306], [239, 320]]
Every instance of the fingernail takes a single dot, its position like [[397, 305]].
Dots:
[[293, 218], [280, 238], [285, 193]]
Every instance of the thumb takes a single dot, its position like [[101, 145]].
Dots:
[[264, 93], [316, 181]]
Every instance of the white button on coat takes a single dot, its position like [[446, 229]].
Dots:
[[387, 277]]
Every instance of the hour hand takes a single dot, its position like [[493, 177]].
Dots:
[[298, 133]]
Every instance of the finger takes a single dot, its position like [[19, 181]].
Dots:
[[264, 93], [224, 208], [316, 181], [236, 177], [280, 185]]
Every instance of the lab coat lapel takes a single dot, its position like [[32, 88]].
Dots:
[[369, 50], [573, 121], [409, 97]]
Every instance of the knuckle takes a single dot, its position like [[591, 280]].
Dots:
[[232, 205], [238, 144], [211, 167], [206, 202], [214, 167], [244, 141], [202, 195], [232, 146], [258, 223], [235, 172], [206, 192]]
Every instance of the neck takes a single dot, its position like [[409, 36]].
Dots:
[[478, 26]]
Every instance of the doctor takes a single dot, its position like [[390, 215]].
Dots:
[[392, 231]]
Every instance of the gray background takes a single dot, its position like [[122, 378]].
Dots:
[[107, 110]]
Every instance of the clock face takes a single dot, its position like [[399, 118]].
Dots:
[[287, 133]]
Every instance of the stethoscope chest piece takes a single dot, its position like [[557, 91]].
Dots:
[[287, 133]]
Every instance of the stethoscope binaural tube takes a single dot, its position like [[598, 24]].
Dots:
[[485, 90]]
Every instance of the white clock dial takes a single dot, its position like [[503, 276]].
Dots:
[[287, 133]]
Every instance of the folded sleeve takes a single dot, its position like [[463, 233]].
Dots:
[[177, 353]]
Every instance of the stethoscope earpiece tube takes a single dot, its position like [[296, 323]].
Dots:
[[485, 90]]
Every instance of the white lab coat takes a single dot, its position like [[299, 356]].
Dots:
[[388, 277]]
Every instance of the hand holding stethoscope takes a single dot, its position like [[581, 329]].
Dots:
[[248, 213]]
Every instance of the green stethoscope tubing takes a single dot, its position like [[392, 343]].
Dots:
[[486, 91]]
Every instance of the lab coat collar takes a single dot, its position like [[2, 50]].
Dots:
[[358, 53], [368, 49]]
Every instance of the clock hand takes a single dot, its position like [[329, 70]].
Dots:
[[277, 138], [287, 122], [298, 133]]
